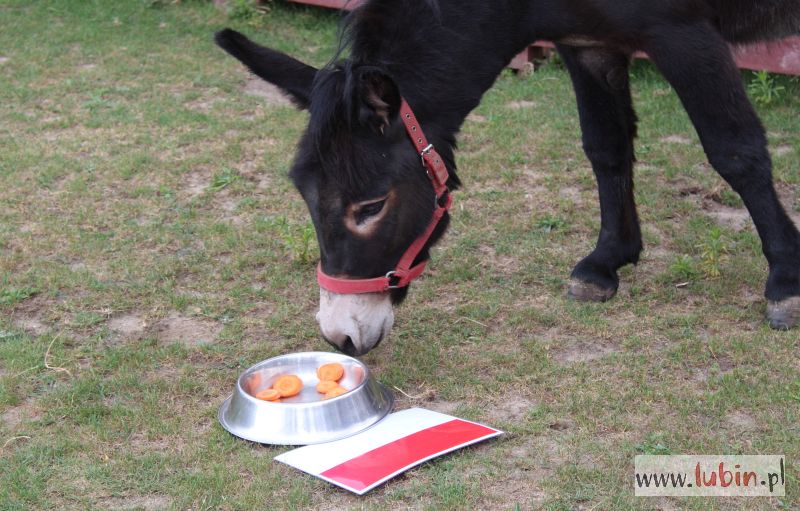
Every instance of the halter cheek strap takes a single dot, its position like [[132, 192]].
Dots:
[[403, 273]]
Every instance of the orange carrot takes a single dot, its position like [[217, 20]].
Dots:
[[338, 391], [326, 386], [330, 372], [269, 395], [288, 385]]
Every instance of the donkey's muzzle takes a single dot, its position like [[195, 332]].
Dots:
[[354, 324]]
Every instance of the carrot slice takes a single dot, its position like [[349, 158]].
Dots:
[[289, 385], [269, 395], [338, 391], [330, 372], [326, 386]]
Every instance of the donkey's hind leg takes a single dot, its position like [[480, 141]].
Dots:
[[697, 62], [608, 124]]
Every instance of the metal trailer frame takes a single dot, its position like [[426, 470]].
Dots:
[[781, 56]]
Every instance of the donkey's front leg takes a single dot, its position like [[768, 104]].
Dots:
[[608, 123]]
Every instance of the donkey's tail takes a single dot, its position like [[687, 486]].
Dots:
[[756, 20]]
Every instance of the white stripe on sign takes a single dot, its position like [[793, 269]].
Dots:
[[399, 442]]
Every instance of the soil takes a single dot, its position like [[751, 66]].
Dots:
[[128, 326], [186, 330], [519, 105], [511, 407], [33, 326], [583, 352], [476, 118], [741, 421], [13, 417], [737, 219], [138, 502], [677, 139], [196, 184]]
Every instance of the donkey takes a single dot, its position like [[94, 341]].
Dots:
[[358, 166]]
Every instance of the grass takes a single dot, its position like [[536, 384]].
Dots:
[[152, 246]]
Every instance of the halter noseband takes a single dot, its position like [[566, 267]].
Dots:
[[403, 273]]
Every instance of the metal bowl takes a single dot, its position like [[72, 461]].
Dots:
[[306, 418]]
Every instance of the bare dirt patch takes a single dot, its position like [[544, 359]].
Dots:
[[587, 351], [202, 104], [571, 193], [507, 265], [266, 91], [129, 326], [229, 206], [251, 164], [741, 421], [520, 489], [737, 219], [32, 316], [261, 311], [186, 330], [677, 139], [476, 118], [195, 184], [32, 326], [783, 150], [511, 407], [528, 463], [531, 178], [519, 105], [441, 406], [15, 416], [131, 502]]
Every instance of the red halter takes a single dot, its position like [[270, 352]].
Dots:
[[403, 273]]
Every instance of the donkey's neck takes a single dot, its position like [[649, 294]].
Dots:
[[443, 61]]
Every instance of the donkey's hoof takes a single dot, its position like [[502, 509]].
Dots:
[[785, 314], [586, 292]]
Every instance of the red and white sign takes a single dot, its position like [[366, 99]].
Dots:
[[397, 443]]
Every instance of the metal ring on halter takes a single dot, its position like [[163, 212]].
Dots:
[[390, 276], [425, 152]]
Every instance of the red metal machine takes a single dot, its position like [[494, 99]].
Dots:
[[781, 56]]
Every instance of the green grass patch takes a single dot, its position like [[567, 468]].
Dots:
[[152, 247]]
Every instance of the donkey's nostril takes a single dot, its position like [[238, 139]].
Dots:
[[348, 348], [343, 344]]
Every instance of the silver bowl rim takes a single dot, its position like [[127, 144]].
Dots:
[[226, 426], [387, 394], [253, 368]]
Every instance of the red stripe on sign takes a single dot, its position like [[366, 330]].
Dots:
[[372, 466]]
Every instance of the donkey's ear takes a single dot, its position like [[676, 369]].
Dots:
[[379, 99], [289, 74]]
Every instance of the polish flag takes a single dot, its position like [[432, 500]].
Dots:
[[397, 443]]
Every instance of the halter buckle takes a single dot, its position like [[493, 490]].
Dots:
[[425, 152], [391, 275]]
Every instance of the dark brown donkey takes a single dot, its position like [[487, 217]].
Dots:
[[369, 196]]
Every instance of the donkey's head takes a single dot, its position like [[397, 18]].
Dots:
[[361, 178]]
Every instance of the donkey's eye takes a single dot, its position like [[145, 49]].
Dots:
[[362, 218], [369, 210]]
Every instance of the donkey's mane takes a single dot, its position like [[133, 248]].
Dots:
[[371, 36], [331, 124]]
